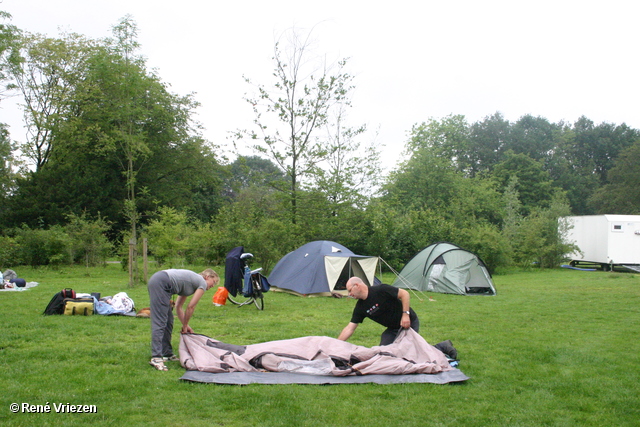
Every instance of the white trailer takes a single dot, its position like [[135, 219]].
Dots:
[[607, 240]]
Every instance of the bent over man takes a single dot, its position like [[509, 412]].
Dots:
[[384, 304]]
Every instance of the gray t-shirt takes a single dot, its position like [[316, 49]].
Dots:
[[185, 282]]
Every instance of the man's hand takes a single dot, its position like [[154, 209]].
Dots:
[[186, 330], [405, 322]]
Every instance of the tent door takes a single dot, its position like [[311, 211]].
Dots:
[[341, 269], [350, 269]]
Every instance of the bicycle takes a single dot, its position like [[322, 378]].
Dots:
[[245, 286]]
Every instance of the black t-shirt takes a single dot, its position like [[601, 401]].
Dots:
[[382, 306]]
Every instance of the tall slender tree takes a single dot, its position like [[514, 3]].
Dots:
[[289, 116], [351, 171], [131, 141]]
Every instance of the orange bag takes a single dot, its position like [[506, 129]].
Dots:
[[220, 297]]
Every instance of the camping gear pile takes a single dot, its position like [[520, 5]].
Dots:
[[10, 280], [70, 302]]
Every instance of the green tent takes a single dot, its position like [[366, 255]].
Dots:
[[446, 268]]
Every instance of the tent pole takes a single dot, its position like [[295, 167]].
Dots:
[[403, 280]]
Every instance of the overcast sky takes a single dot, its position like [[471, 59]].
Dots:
[[412, 61]]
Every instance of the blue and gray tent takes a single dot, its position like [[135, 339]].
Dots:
[[320, 268], [446, 268]]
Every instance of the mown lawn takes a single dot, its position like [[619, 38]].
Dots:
[[553, 348]]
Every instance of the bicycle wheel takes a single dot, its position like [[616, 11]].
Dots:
[[240, 299], [258, 299]]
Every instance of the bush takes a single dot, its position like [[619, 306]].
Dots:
[[489, 244], [43, 247], [9, 252], [540, 238], [88, 241], [168, 236], [81, 240]]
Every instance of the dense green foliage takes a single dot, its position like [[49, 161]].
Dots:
[[110, 144], [552, 348], [80, 241]]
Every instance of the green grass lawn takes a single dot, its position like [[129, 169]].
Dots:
[[553, 348]]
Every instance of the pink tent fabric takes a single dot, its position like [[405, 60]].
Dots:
[[315, 355]]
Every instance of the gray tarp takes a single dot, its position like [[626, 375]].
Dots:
[[245, 378], [315, 360]]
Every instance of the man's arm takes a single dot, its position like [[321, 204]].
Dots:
[[404, 298], [347, 331]]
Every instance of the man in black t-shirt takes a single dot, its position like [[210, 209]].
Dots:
[[384, 304]]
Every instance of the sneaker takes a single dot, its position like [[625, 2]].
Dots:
[[172, 358], [448, 349], [158, 363]]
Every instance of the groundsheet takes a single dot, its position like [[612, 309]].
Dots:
[[315, 360], [245, 378]]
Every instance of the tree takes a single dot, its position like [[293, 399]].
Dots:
[[488, 140], [9, 53], [169, 236], [428, 180], [534, 185], [622, 194], [7, 176], [250, 171], [122, 127], [533, 136], [46, 76], [597, 147], [512, 217], [256, 220], [88, 239], [298, 106], [130, 140], [447, 138], [350, 173]]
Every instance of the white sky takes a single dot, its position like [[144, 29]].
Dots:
[[412, 61]]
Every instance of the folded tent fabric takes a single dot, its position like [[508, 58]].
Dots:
[[408, 354]]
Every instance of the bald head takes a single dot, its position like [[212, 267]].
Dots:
[[357, 288]]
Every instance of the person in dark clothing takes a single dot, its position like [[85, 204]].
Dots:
[[384, 304]]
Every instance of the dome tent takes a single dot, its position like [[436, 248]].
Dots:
[[319, 268], [446, 268]]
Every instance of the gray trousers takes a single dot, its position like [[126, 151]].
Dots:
[[161, 314]]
